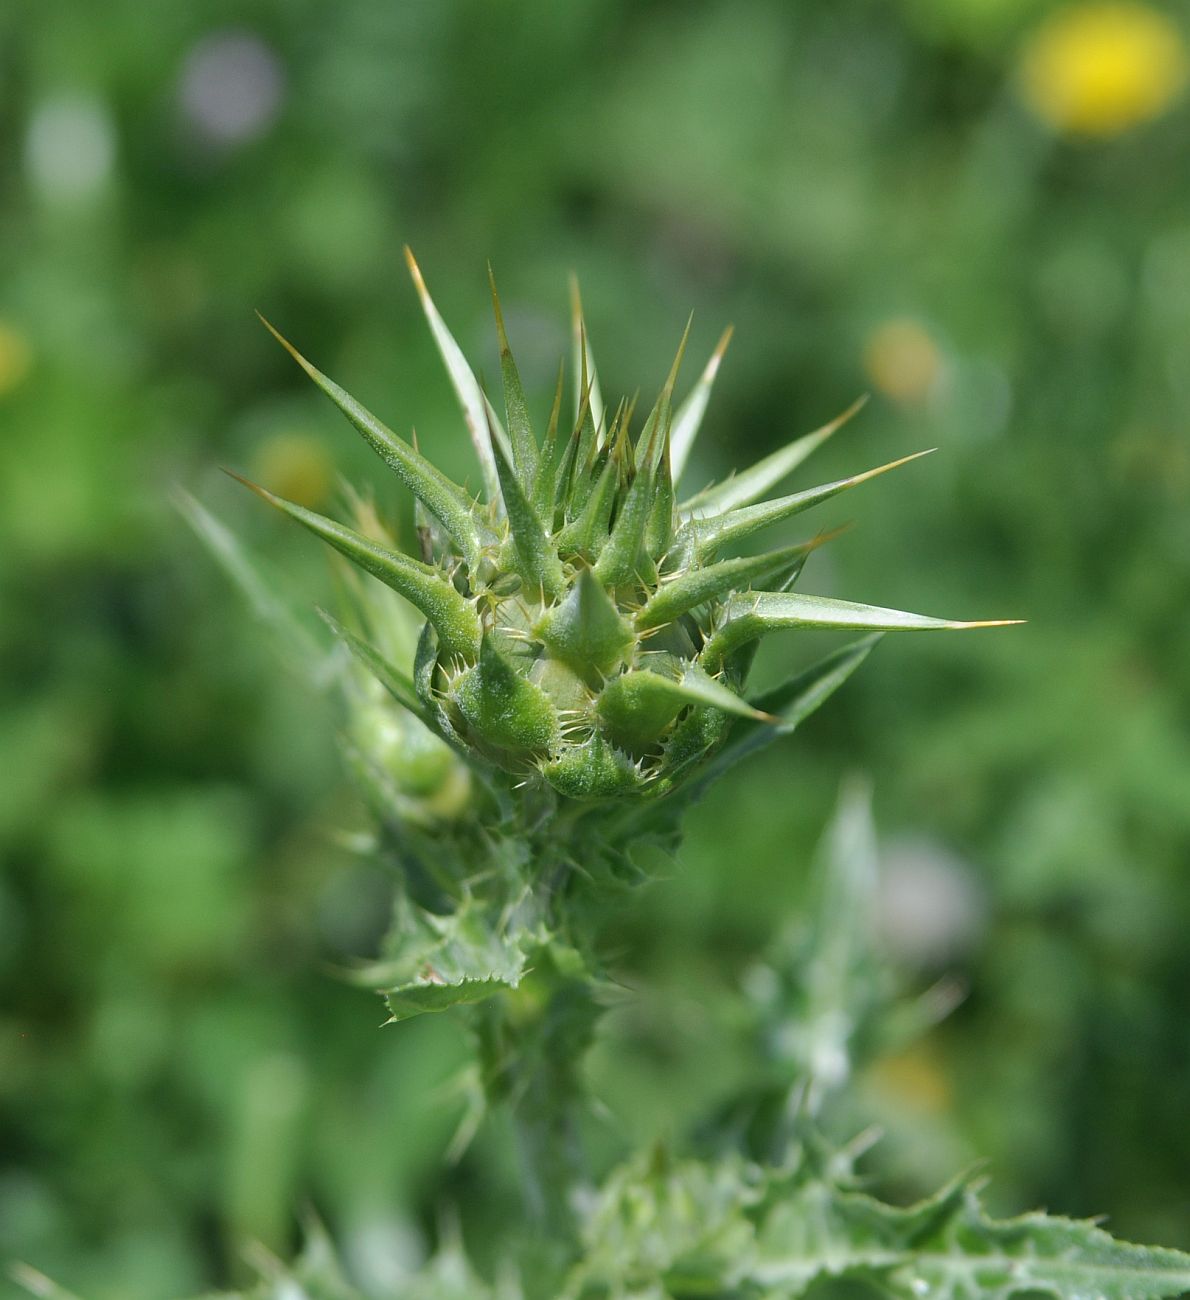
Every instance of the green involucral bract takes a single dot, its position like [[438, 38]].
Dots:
[[587, 632]]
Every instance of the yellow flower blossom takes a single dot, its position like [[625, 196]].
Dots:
[[1098, 69], [297, 466], [915, 1078], [902, 360]]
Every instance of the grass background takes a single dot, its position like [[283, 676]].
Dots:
[[861, 189]]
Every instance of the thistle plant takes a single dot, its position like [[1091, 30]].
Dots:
[[588, 635], [535, 696]]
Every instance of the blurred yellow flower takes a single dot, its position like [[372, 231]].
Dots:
[[913, 1077], [1098, 69], [902, 360], [296, 467], [16, 357]]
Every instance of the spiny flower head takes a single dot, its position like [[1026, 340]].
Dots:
[[587, 630]]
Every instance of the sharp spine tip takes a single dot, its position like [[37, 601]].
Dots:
[[672, 378], [415, 271], [893, 464], [247, 482], [307, 366]]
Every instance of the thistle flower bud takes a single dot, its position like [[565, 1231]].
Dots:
[[586, 630]]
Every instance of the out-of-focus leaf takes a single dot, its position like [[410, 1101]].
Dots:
[[37, 1284], [791, 703], [444, 961], [397, 683], [733, 1228], [453, 617], [301, 650]]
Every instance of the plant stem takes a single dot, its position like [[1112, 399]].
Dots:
[[532, 1043]]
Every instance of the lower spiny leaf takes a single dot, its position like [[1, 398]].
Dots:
[[676, 1228]]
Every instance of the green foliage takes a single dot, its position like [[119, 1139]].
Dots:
[[860, 190], [317, 1275], [561, 667], [558, 687], [663, 1230], [662, 1227]]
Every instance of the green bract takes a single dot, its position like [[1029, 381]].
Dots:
[[586, 630]]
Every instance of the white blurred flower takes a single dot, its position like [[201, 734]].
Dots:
[[932, 909], [231, 87], [70, 147], [384, 1251]]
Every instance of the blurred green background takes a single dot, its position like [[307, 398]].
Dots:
[[975, 209]]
